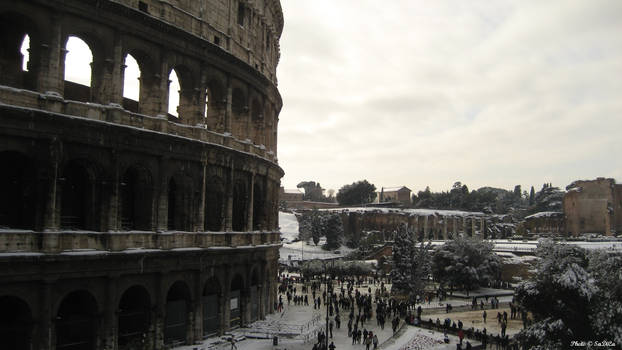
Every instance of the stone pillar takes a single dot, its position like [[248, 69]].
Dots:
[[425, 227], [162, 89], [200, 222], [158, 311], [161, 192], [51, 216], [110, 332], [249, 204], [118, 71], [228, 109], [229, 201], [188, 109], [198, 308], [44, 328], [456, 229], [111, 218], [226, 299], [52, 56], [445, 227]]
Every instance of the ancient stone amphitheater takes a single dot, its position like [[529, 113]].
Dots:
[[124, 226]]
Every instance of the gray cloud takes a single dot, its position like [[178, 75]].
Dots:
[[426, 93]]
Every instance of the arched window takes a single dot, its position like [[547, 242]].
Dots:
[[173, 93], [211, 307], [176, 317], [133, 315], [15, 323], [131, 84], [25, 50], [78, 61], [77, 321]]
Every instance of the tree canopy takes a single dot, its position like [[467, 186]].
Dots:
[[360, 192], [574, 295], [465, 263]]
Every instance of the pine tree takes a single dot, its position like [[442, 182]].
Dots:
[[401, 274], [333, 231], [532, 196]]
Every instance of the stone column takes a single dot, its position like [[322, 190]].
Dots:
[[51, 216], [161, 192], [228, 108], [118, 72], [425, 227], [110, 332], [51, 72], [158, 311], [229, 200], [46, 316], [445, 227], [200, 222], [249, 204], [226, 299]]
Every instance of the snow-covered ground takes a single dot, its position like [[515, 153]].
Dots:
[[300, 250]]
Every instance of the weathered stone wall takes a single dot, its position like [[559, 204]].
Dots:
[[593, 207], [115, 217]]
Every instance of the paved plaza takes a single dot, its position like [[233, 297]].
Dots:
[[297, 326]]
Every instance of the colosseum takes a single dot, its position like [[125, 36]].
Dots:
[[127, 222]]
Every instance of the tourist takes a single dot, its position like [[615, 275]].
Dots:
[[232, 341], [484, 316]]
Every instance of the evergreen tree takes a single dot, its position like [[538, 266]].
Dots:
[[360, 192], [532, 196], [401, 273], [333, 232], [574, 295], [466, 263]]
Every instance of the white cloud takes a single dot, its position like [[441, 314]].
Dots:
[[426, 93]]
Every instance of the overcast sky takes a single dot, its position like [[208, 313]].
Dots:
[[416, 93]]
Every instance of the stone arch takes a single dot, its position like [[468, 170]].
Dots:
[[14, 27], [240, 205], [149, 82], [215, 103], [74, 69], [133, 317], [236, 304], [136, 199], [77, 321], [16, 323], [18, 202], [187, 101], [78, 196], [259, 205], [212, 291], [214, 204], [177, 313]]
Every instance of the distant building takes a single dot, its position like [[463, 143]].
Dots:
[[593, 206], [294, 195], [395, 194], [545, 222]]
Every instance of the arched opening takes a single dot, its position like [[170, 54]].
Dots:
[[77, 198], [211, 307], [131, 84], [17, 60], [236, 305], [238, 102], [18, 189], [176, 319], [214, 105], [76, 322], [214, 201], [256, 111], [259, 207], [174, 91], [134, 318], [25, 51], [254, 296], [15, 323], [78, 60], [172, 205], [240, 198], [136, 198]]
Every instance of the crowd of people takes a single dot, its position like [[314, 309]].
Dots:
[[353, 297]]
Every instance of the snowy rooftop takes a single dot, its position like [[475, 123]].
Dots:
[[413, 212], [545, 214], [393, 189]]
